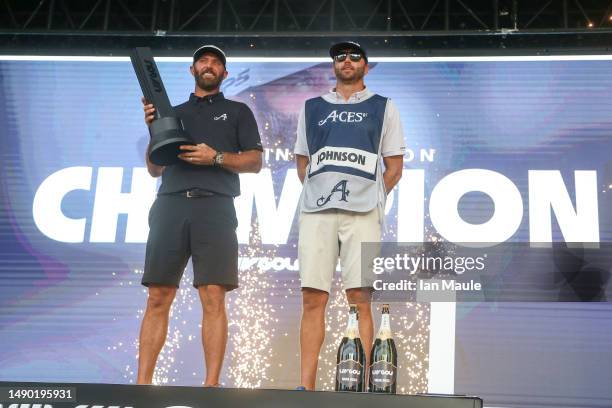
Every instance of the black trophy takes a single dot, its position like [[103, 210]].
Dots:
[[166, 130]]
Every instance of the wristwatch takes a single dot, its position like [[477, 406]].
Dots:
[[218, 159]]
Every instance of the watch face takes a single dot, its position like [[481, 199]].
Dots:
[[219, 158]]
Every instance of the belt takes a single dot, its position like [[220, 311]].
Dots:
[[191, 193]]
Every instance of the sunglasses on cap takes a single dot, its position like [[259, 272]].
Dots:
[[353, 56]]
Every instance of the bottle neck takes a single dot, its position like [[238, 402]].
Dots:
[[385, 327], [352, 328]]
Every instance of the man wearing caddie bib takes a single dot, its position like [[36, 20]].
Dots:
[[349, 155]]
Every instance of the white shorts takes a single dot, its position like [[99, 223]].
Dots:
[[325, 235]]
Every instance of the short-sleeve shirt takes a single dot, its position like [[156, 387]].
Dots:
[[224, 125], [392, 133]]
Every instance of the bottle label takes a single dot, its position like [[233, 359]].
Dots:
[[385, 328], [348, 373], [385, 322], [383, 374], [352, 329]]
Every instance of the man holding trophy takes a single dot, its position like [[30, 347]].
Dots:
[[193, 215]]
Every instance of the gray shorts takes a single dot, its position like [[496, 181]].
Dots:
[[202, 228]]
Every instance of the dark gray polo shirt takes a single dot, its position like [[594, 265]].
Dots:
[[222, 124]]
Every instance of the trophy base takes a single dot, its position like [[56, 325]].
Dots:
[[166, 152], [167, 135]]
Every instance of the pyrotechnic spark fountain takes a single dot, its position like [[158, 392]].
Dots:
[[251, 321]]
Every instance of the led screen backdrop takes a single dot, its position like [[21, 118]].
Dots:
[[74, 197]]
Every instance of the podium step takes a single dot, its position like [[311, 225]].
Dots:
[[146, 396]]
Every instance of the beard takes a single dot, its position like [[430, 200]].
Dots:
[[207, 84], [349, 76]]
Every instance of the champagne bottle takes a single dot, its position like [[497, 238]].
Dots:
[[350, 363], [383, 359]]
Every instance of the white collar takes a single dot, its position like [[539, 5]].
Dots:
[[358, 96]]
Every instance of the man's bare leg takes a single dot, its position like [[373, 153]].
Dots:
[[214, 330], [312, 334], [153, 330], [362, 297]]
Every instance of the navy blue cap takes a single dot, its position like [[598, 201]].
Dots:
[[209, 48], [347, 45]]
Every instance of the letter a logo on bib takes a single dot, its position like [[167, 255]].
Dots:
[[338, 188]]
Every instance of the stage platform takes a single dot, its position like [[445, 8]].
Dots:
[[144, 396]]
